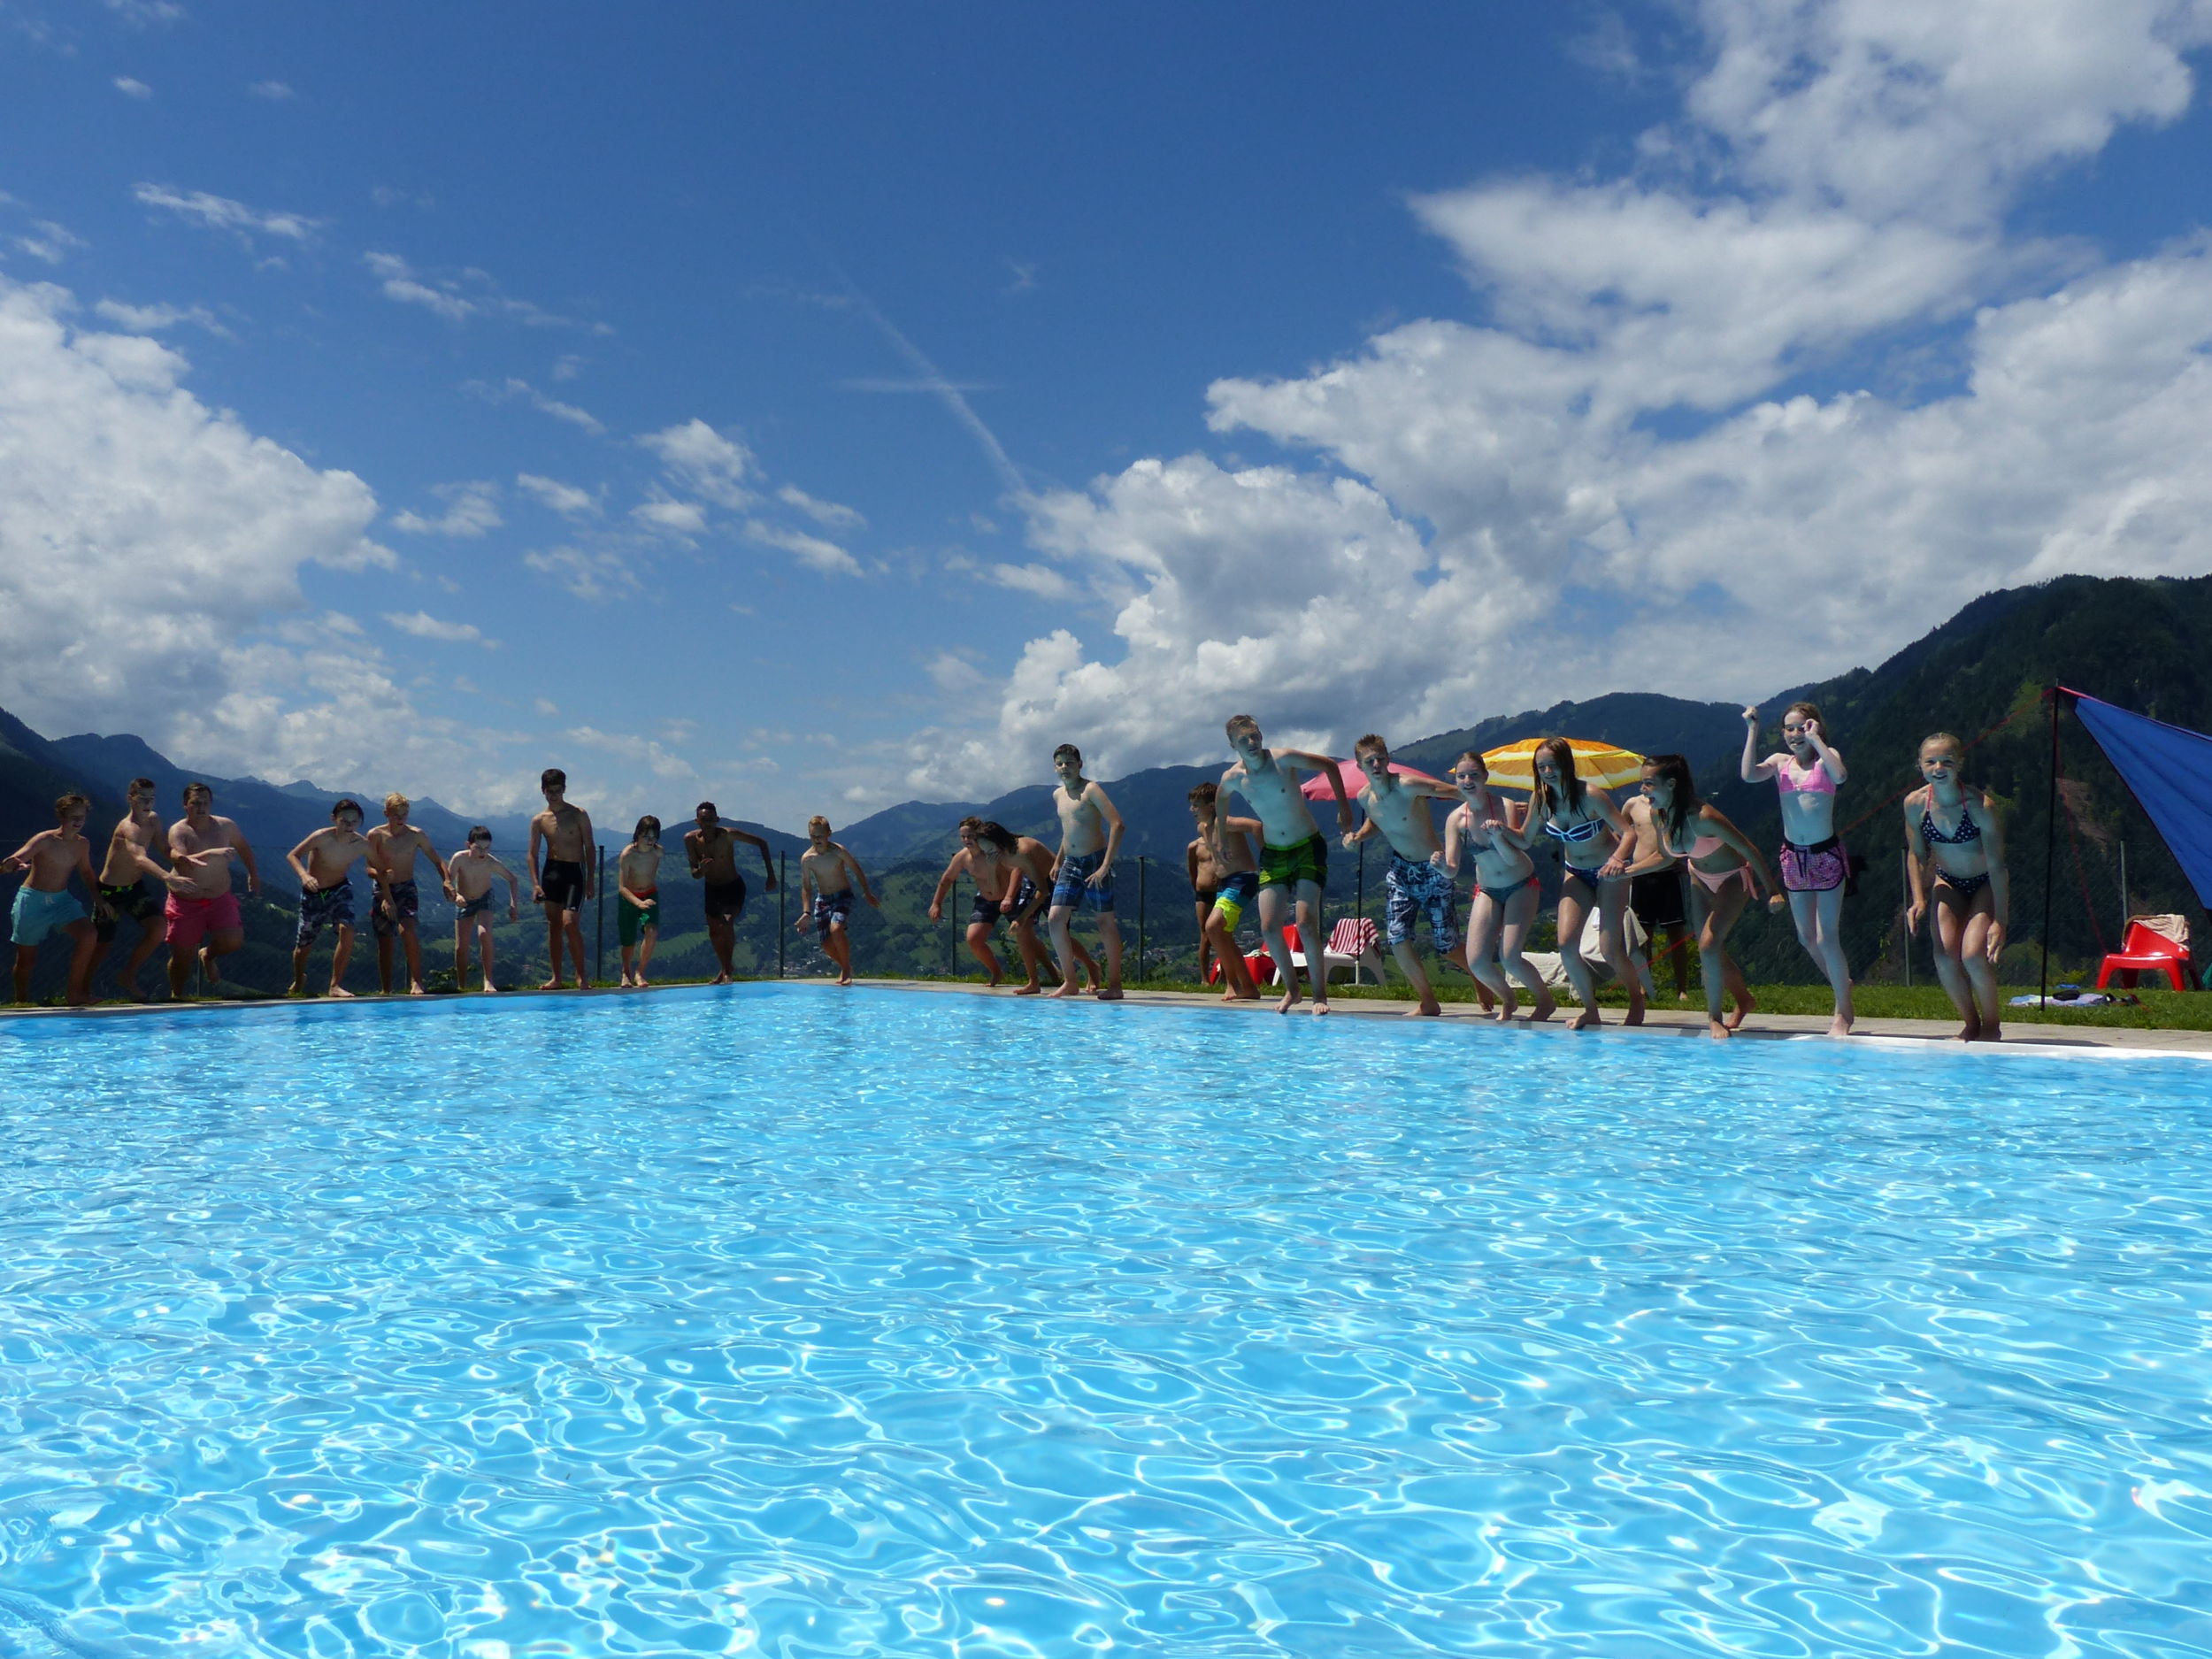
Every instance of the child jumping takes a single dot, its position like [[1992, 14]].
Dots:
[[1952, 833]]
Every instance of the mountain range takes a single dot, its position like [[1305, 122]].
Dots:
[[1982, 673]]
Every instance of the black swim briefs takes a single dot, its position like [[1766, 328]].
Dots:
[[725, 899], [563, 883]]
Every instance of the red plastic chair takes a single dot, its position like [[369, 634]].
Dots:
[[2147, 950]]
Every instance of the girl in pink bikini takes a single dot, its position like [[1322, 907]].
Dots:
[[1722, 865], [1815, 866], [1951, 832]]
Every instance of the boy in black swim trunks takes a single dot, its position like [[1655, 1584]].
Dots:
[[712, 850], [827, 874], [393, 847], [469, 883], [568, 876], [324, 862], [133, 885]]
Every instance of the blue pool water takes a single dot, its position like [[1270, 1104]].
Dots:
[[801, 1323]]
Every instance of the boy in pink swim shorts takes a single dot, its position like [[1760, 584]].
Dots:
[[203, 920]]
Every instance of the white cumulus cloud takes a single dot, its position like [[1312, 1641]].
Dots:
[[566, 499], [812, 550], [422, 626], [1625, 478]]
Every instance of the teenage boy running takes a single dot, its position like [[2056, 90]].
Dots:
[[1223, 852], [712, 850], [567, 877], [469, 883], [324, 862], [43, 904], [1417, 883], [1090, 835], [392, 845], [1293, 854], [827, 874], [203, 920], [637, 874], [125, 888]]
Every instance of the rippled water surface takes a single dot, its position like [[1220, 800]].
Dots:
[[791, 1322]]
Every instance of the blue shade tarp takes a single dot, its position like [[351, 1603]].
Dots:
[[2169, 769]]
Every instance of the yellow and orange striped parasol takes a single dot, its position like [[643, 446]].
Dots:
[[1513, 767]]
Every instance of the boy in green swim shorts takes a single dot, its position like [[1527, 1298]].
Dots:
[[637, 874], [1294, 858]]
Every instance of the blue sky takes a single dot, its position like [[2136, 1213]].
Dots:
[[816, 409]]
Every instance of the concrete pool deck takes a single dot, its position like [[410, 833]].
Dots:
[[1674, 1021]]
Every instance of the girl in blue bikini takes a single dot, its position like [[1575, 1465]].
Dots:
[[1953, 833], [1506, 890], [1593, 842]]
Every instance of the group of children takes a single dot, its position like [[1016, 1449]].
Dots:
[[189, 903], [1664, 853], [1673, 858]]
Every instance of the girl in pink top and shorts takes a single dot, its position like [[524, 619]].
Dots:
[[1815, 867]]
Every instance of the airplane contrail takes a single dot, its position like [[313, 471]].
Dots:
[[947, 391]]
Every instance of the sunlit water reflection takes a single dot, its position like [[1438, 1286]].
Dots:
[[801, 1323]]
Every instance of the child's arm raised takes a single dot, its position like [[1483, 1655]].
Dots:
[[1753, 769], [1328, 769]]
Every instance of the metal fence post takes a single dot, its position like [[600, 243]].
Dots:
[[1140, 918], [783, 886], [599, 915]]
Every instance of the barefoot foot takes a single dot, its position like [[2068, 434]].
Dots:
[[1744, 1005], [1584, 1020], [1719, 1028], [338, 990]]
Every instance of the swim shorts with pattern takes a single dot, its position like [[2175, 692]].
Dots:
[[325, 907], [1414, 890], [1072, 888], [1303, 861]]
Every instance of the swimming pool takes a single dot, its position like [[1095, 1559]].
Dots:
[[794, 1322]]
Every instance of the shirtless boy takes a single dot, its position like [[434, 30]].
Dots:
[[712, 850], [1656, 891], [1090, 835], [470, 880], [1294, 854], [1223, 854], [203, 920], [985, 864], [637, 876], [324, 862], [124, 889], [566, 879], [392, 845], [1417, 883], [43, 904], [827, 874]]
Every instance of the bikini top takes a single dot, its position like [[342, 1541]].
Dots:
[[1815, 780], [1967, 830], [1705, 846], [1574, 833]]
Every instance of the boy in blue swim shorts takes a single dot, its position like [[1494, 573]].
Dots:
[[1418, 884], [1083, 877], [324, 862], [827, 872], [42, 903]]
